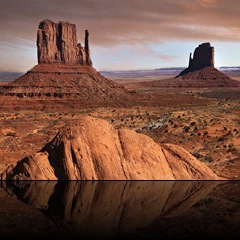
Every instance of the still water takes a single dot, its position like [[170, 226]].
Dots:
[[120, 209]]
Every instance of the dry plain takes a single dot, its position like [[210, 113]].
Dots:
[[204, 121]]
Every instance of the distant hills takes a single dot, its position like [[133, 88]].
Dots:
[[232, 69], [171, 69], [10, 76], [223, 68]]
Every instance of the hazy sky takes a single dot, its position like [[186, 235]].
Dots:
[[125, 34]]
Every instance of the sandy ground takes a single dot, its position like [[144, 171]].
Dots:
[[204, 121]]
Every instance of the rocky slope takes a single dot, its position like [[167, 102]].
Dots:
[[92, 149], [204, 78], [66, 81]]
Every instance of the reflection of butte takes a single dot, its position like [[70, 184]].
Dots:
[[109, 206]]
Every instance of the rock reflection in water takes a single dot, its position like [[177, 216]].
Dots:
[[107, 208]]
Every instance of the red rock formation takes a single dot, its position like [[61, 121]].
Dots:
[[65, 70], [200, 72], [93, 150], [57, 43], [203, 57]]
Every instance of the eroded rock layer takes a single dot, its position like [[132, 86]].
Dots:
[[92, 149], [69, 82]]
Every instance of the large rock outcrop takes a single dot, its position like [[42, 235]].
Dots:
[[65, 70], [57, 43], [92, 149]]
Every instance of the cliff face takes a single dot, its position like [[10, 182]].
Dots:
[[92, 149], [57, 43]]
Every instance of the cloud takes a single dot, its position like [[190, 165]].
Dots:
[[114, 23]]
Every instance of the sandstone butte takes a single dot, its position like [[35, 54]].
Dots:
[[65, 70], [200, 72], [201, 69], [92, 149]]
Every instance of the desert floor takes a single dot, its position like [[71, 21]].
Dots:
[[204, 121]]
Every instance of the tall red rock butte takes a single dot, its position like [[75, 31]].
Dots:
[[65, 70], [57, 43], [201, 71]]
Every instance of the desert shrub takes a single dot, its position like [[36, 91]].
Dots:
[[11, 134], [186, 128], [230, 145], [197, 155], [208, 159], [192, 123]]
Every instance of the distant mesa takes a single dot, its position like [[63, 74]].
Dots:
[[201, 71], [91, 149], [65, 70]]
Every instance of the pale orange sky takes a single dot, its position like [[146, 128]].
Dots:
[[126, 34]]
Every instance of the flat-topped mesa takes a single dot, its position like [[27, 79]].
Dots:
[[57, 43], [203, 57]]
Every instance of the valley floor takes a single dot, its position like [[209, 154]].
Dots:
[[204, 121]]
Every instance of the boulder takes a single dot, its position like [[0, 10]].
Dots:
[[91, 149]]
